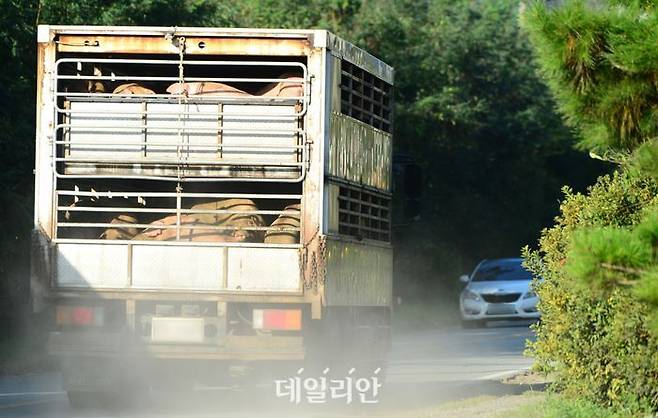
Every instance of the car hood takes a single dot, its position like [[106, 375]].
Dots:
[[512, 286]]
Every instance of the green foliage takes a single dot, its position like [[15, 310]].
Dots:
[[601, 64], [596, 256], [471, 108], [600, 296], [148, 12], [16, 143], [599, 347], [645, 158], [558, 406]]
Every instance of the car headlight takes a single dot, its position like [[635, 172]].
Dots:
[[470, 295], [530, 294]]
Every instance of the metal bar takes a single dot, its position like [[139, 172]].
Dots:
[[194, 100], [176, 62], [184, 195], [188, 179], [363, 215], [112, 128], [178, 213], [196, 295], [347, 199], [200, 97], [236, 116], [166, 210], [173, 144], [182, 226], [361, 227], [180, 161], [200, 79], [129, 266], [174, 243], [193, 146], [197, 99]]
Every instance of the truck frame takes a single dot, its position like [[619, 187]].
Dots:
[[132, 161]]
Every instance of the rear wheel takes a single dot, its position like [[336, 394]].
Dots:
[[97, 383], [350, 338]]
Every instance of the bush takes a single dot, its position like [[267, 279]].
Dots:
[[600, 348], [561, 407]]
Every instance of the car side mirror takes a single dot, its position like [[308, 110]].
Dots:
[[464, 278]]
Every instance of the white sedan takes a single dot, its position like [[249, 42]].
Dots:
[[497, 289]]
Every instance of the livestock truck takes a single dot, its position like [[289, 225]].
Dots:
[[209, 196]]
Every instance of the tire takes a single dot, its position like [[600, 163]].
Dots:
[[354, 337]]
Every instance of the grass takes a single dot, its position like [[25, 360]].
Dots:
[[486, 406], [556, 406], [530, 404]]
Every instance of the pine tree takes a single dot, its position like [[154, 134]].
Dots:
[[601, 63], [599, 296]]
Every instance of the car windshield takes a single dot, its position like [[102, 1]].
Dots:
[[501, 271]]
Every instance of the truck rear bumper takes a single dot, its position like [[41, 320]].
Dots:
[[112, 345]]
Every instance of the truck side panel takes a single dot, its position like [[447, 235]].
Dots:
[[358, 274]]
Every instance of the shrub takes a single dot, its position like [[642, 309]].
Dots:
[[598, 345]]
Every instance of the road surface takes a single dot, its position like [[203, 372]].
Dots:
[[424, 369]]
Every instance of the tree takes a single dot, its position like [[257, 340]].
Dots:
[[601, 64], [473, 111], [599, 297]]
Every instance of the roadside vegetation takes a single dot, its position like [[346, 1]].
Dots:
[[599, 297], [555, 406], [527, 405]]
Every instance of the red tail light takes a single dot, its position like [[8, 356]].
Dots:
[[82, 316], [79, 315], [277, 319]]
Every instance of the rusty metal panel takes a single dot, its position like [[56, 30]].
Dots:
[[333, 220], [316, 128], [123, 44], [177, 267], [358, 274], [357, 56], [359, 153], [263, 269], [92, 266], [334, 84], [43, 187], [194, 45], [42, 269], [51, 30]]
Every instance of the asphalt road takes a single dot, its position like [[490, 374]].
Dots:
[[424, 369]]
